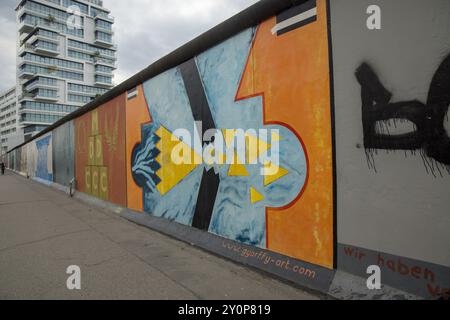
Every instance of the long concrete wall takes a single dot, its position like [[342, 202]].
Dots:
[[357, 117]]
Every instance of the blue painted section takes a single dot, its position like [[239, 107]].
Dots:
[[42, 170], [169, 107], [234, 216]]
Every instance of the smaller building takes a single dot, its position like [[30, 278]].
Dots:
[[10, 132]]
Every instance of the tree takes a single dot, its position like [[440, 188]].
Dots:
[[51, 19]]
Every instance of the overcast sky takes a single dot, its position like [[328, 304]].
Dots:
[[145, 30]]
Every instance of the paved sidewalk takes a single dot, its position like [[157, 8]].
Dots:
[[43, 231]]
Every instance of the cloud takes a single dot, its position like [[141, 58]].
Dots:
[[7, 44], [145, 30]]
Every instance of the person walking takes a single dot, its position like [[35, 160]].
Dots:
[[2, 165]]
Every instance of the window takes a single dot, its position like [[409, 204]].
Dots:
[[52, 107], [103, 24], [53, 61], [42, 9], [47, 93], [80, 55], [61, 27], [104, 69], [103, 36], [91, 48], [46, 45], [68, 3], [103, 79], [42, 81], [85, 89], [97, 12], [48, 34], [78, 98], [48, 71]]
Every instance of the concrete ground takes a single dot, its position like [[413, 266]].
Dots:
[[43, 231]]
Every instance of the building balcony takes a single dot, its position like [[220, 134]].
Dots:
[[103, 83], [87, 94], [39, 85], [99, 28], [104, 43], [39, 33], [26, 74], [96, 2], [105, 63], [103, 73], [42, 98], [27, 122], [26, 26], [104, 17], [25, 96], [45, 50]]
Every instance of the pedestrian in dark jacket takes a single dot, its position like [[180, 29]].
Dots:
[[2, 165]]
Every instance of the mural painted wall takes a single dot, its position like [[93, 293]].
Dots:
[[100, 152], [137, 115], [32, 154], [392, 97], [63, 153], [23, 160], [44, 158], [18, 160], [291, 73], [255, 80]]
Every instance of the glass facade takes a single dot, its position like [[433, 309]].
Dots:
[[104, 69], [106, 37], [40, 118], [61, 27], [51, 12], [41, 81], [46, 93], [41, 106], [79, 99], [29, 68], [95, 12], [103, 24], [103, 79], [91, 48], [46, 33], [41, 44], [67, 64], [33, 128], [83, 8], [85, 89]]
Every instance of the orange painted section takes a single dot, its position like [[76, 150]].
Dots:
[[291, 71], [137, 114], [100, 152]]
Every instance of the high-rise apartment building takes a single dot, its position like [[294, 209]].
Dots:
[[10, 135], [66, 57]]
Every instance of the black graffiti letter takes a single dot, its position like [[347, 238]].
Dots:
[[429, 134]]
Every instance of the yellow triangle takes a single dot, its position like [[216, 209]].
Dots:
[[273, 173], [171, 173], [255, 196], [237, 170]]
